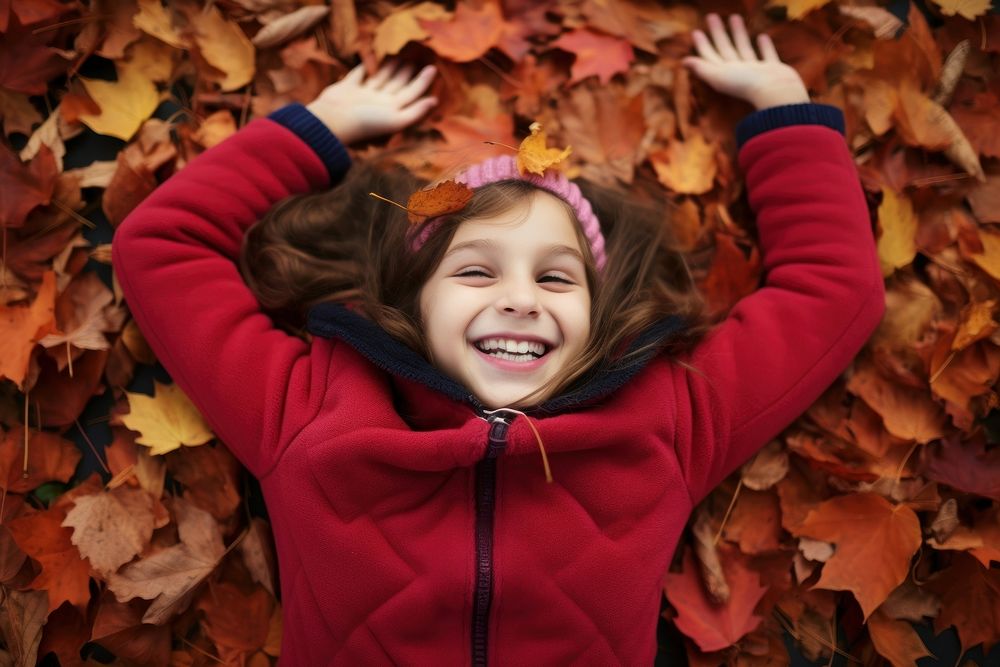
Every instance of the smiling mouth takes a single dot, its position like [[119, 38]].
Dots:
[[508, 349]]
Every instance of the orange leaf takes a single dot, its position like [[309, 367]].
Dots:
[[445, 197], [50, 457], [533, 156], [896, 641], [732, 275], [970, 600], [470, 33], [23, 326], [711, 626], [875, 541], [686, 167], [65, 575], [596, 54]]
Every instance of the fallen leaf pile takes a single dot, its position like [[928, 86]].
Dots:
[[877, 509]]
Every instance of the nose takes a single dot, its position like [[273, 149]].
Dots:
[[519, 297]]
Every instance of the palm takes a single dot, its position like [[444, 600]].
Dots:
[[733, 67]]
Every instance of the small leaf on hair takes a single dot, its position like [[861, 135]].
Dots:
[[446, 197]]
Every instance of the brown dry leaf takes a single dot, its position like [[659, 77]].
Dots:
[[533, 156], [23, 326], [211, 477], [224, 46], [111, 527], [686, 167], [258, 553], [289, 26], [755, 522], [445, 197], [970, 600], [874, 543], [50, 458], [118, 627], [908, 413], [896, 641], [21, 625], [910, 602], [25, 186], [606, 128], [169, 577], [237, 620], [17, 112], [84, 313], [167, 420], [885, 23], [732, 275]]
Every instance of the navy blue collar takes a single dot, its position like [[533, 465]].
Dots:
[[333, 320]]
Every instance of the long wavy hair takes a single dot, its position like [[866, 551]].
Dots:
[[342, 245]]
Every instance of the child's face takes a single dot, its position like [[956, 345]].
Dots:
[[509, 306]]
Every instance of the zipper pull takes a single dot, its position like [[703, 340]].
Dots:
[[493, 419]]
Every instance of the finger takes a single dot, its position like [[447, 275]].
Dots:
[[385, 70], [416, 111], [356, 75], [399, 79], [767, 51], [418, 86], [741, 38], [723, 46], [705, 48]]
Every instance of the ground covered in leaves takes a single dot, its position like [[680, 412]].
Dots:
[[875, 510]]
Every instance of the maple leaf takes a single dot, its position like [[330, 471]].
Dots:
[[224, 45], [237, 620], [85, 312], [908, 413], [25, 186], [732, 274], [402, 27], [874, 543], [686, 167], [22, 327], [445, 197], [714, 627], [596, 54], [65, 576], [125, 103], [167, 420], [533, 156], [111, 527], [469, 34], [970, 600], [169, 577], [27, 63]]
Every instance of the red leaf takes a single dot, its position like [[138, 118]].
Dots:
[[597, 54]]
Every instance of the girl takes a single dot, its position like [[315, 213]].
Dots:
[[490, 453]]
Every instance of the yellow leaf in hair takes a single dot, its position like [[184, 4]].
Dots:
[[445, 197], [533, 156]]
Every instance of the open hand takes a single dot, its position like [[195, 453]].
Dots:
[[737, 71], [357, 108]]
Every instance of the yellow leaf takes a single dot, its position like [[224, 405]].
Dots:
[[153, 59], [402, 27], [989, 259], [153, 20], [166, 420], [125, 103], [977, 323], [534, 157], [897, 245], [686, 167], [796, 9], [968, 9], [225, 47]]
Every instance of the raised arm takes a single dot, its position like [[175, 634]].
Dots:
[[175, 257], [823, 296]]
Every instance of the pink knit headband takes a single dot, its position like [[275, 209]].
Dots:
[[504, 167]]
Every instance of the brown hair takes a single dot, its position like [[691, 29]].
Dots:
[[345, 246]]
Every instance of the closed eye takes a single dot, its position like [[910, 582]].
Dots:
[[556, 279], [472, 273]]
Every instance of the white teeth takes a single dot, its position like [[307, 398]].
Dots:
[[511, 347]]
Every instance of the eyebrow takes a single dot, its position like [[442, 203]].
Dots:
[[553, 250]]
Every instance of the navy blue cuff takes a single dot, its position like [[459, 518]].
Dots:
[[788, 114], [311, 130]]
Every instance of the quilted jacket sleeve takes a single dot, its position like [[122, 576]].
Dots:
[[175, 257], [823, 295]]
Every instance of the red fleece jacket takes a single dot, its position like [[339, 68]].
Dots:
[[412, 531]]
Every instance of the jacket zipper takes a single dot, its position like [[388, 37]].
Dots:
[[486, 477]]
